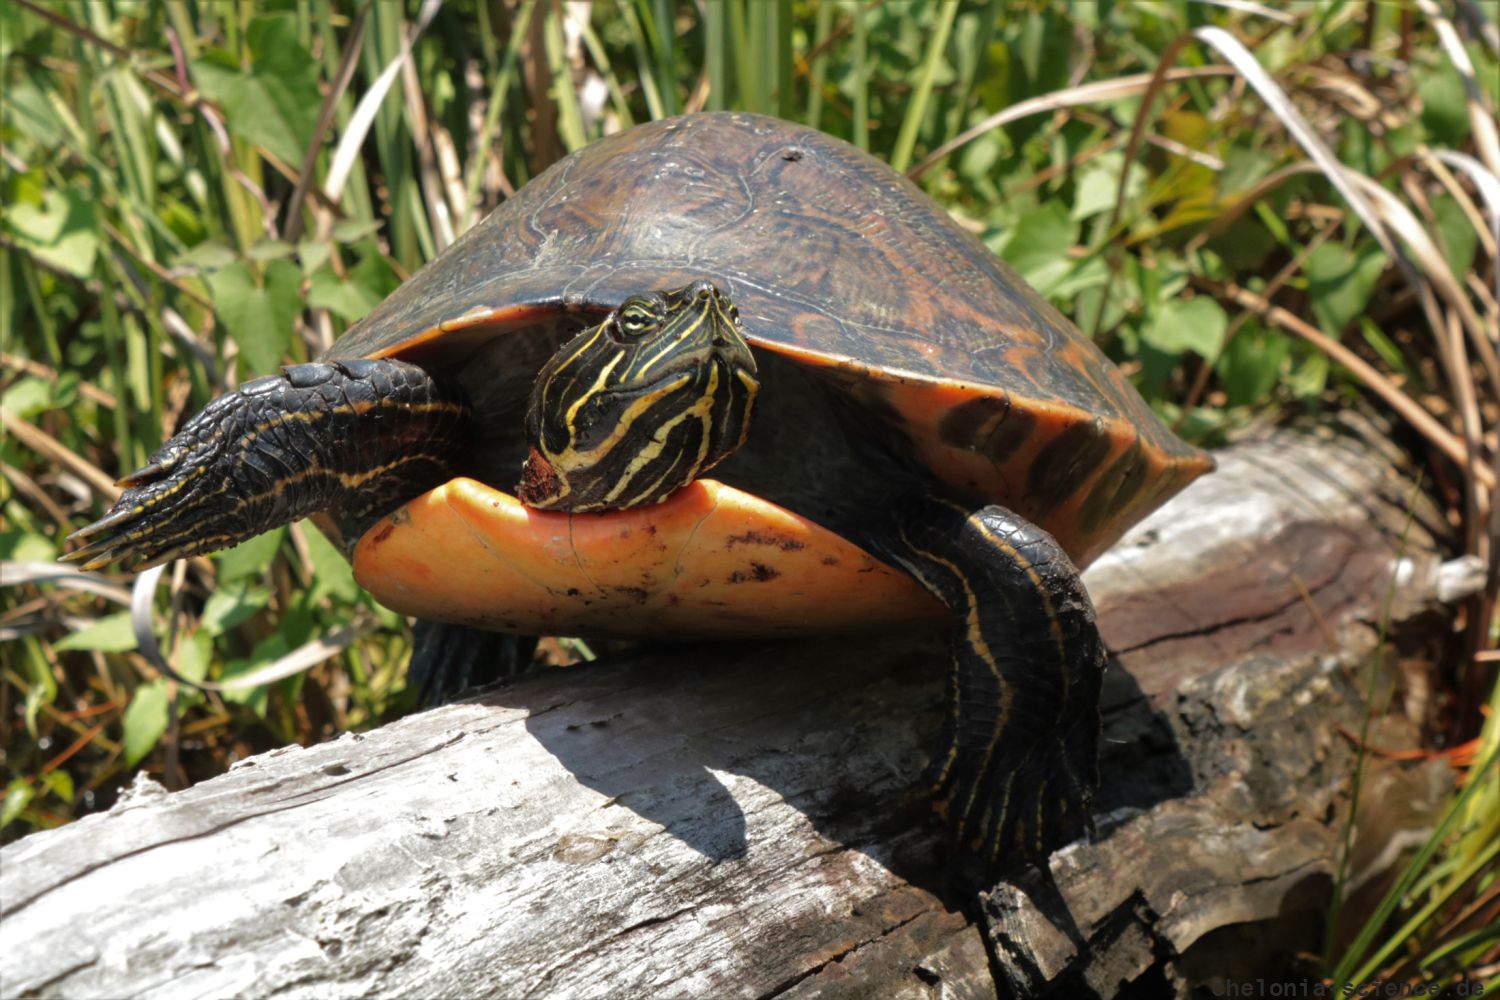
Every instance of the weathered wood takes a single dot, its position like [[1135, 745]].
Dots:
[[733, 820]]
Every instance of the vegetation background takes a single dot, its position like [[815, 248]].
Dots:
[[1264, 213]]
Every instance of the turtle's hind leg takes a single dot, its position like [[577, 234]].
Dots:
[[1019, 758], [449, 659], [355, 439]]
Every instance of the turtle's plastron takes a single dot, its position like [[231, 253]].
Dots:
[[709, 562]]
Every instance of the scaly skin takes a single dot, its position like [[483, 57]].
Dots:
[[627, 413], [1019, 757], [355, 439]]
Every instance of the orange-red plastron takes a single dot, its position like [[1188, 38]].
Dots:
[[710, 561]]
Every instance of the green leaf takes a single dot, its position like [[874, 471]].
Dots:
[[1045, 49], [249, 557], [184, 222], [10, 37], [231, 604], [1245, 244], [1090, 272], [145, 720], [268, 249], [1456, 235], [1156, 369], [18, 795], [1202, 421], [209, 255], [110, 634], [1250, 366], [258, 316], [60, 783], [41, 688], [1445, 114], [267, 651], [332, 574], [1195, 324], [31, 394], [313, 254], [1385, 347], [1340, 282], [61, 231], [1098, 183], [24, 546], [1185, 180], [65, 389], [27, 396], [1038, 245], [1362, 149], [367, 285], [195, 655], [25, 187], [1309, 375], [1105, 307], [975, 160], [1243, 166], [354, 230], [274, 103], [28, 113], [1091, 310], [1163, 282]]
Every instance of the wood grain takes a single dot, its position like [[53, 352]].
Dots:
[[736, 819]]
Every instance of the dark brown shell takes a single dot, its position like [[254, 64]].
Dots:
[[836, 260]]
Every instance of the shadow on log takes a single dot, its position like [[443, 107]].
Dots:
[[735, 819]]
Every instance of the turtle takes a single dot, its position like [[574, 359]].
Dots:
[[901, 434]]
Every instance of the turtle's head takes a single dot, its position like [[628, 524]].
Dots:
[[642, 404]]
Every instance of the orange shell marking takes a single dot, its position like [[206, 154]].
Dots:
[[711, 561]]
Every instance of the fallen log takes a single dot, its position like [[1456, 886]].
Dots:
[[734, 820]]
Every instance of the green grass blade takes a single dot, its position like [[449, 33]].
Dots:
[[1341, 872], [786, 95], [716, 54], [664, 34], [638, 44], [569, 116], [760, 54], [916, 110], [1474, 866], [1363, 942], [1475, 939], [861, 58], [499, 92], [818, 71], [600, 55], [44, 320], [747, 70]]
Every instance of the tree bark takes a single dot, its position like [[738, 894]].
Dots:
[[737, 820]]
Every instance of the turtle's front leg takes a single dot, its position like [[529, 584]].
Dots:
[[1019, 759], [354, 439]]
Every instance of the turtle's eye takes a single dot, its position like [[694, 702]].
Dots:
[[634, 320]]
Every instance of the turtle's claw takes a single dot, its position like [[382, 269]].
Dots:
[[129, 530], [114, 518], [143, 475], [116, 540], [121, 546]]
